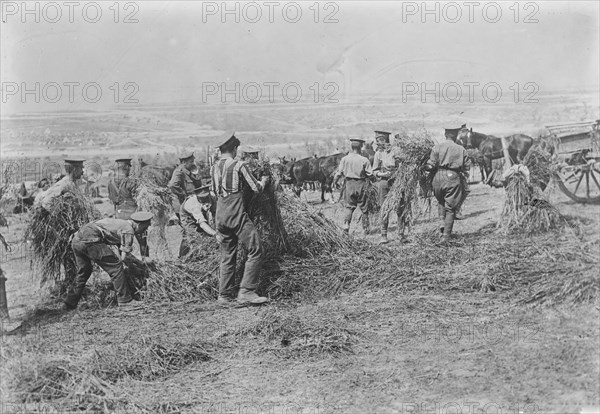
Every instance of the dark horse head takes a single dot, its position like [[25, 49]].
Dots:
[[471, 139]]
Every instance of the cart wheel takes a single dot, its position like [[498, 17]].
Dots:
[[580, 182]]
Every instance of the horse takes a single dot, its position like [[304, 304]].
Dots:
[[490, 147]]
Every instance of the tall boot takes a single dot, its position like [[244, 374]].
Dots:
[[448, 224], [365, 223], [458, 210], [442, 217]]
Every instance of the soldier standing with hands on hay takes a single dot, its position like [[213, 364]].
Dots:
[[384, 166], [184, 180], [92, 243], [122, 189], [195, 216], [356, 169], [233, 225], [448, 161]]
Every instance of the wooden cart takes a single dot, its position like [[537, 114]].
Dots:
[[578, 160]]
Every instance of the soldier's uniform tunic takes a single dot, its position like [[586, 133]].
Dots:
[[91, 244], [232, 221], [355, 169], [121, 193], [450, 160], [182, 184]]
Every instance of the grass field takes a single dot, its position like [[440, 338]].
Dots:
[[436, 329]]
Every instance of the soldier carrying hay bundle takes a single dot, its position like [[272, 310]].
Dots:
[[66, 185], [385, 165], [234, 225], [410, 152], [59, 212]]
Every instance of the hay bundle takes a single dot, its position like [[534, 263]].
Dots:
[[373, 205], [411, 152], [539, 161], [158, 201], [263, 208], [50, 230], [310, 232]]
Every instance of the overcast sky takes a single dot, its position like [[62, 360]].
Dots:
[[373, 47]]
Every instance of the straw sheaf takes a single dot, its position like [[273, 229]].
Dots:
[[411, 152]]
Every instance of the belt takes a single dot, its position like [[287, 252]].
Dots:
[[355, 179], [450, 169], [225, 193]]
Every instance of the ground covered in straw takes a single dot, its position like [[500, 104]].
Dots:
[[496, 319]]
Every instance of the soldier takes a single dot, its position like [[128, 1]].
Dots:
[[184, 179], [249, 153], [356, 169], [92, 243], [67, 184], [122, 189], [464, 177], [233, 225], [384, 167], [448, 160], [195, 217], [43, 186]]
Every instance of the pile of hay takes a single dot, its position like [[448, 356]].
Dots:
[[94, 382], [196, 276], [526, 208], [412, 152], [294, 251], [49, 232]]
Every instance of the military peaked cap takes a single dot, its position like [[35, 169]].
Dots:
[[75, 162], [186, 155], [141, 216], [383, 135], [362, 141], [124, 161], [230, 143]]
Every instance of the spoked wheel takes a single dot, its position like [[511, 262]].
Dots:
[[580, 182]]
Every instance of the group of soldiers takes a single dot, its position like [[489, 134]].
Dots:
[[221, 201], [109, 241], [447, 162]]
